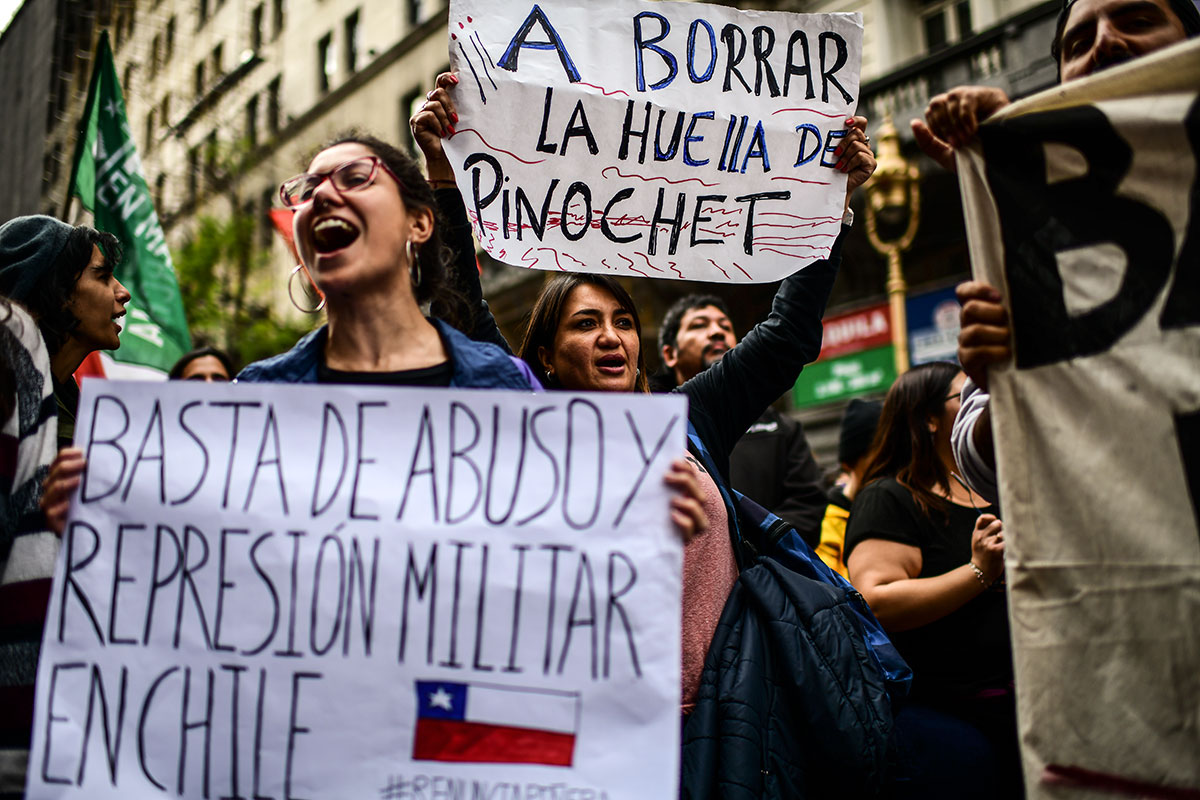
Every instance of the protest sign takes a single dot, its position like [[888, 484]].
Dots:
[[1083, 205], [302, 592], [660, 139]]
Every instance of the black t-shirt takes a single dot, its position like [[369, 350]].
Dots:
[[437, 375], [968, 650]]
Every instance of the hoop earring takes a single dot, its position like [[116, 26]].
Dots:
[[414, 266], [300, 268]]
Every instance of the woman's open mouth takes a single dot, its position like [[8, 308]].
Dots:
[[332, 234], [611, 365]]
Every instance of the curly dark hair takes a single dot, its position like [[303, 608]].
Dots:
[[433, 257], [48, 302], [904, 447], [548, 310]]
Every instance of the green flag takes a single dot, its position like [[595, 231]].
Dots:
[[108, 180]]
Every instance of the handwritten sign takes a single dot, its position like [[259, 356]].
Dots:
[[1082, 204], [303, 592], [661, 139]]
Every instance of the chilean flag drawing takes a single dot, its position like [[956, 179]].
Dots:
[[492, 724]]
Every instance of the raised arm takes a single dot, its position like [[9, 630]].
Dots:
[[731, 394], [435, 120], [885, 572]]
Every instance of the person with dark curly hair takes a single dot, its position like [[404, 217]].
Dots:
[[63, 275]]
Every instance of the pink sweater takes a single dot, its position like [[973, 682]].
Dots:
[[709, 572]]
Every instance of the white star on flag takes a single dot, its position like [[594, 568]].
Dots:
[[111, 108], [441, 699]]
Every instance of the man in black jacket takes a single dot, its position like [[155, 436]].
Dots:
[[772, 463]]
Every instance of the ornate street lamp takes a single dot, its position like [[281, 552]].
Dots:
[[894, 193]]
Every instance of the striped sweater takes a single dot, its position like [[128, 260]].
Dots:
[[27, 550]]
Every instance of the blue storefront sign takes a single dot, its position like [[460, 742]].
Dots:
[[932, 326]]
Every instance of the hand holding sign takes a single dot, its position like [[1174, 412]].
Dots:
[[60, 483], [436, 119], [299, 592]]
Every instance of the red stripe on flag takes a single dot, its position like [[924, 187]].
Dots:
[[1078, 777], [281, 218], [91, 367], [475, 742]]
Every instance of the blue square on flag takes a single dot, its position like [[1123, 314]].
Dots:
[[438, 700], [492, 724]]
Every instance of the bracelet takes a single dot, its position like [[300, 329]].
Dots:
[[978, 574]]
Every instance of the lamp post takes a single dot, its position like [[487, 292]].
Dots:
[[892, 193]]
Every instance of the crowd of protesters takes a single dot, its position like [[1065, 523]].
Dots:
[[911, 521]]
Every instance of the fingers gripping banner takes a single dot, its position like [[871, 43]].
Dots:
[[1083, 205], [660, 139], [293, 592]]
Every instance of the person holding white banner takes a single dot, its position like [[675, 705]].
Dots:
[[584, 334], [1091, 35]]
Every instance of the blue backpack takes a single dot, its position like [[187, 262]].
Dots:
[[757, 532]]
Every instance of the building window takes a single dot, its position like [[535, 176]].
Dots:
[[944, 22], [409, 104], [193, 173], [266, 226], [119, 29], [198, 80], [160, 189], [252, 121], [201, 13], [127, 79], [351, 44], [256, 27], [155, 54], [210, 158], [274, 121], [414, 12], [278, 14], [51, 163], [217, 59], [164, 111], [325, 63], [169, 41], [150, 131]]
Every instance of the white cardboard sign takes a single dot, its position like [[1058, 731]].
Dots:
[[330, 592], [659, 139]]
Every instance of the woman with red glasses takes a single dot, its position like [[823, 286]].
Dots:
[[367, 233], [366, 230]]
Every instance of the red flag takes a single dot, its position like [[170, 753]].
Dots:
[[281, 218], [92, 367]]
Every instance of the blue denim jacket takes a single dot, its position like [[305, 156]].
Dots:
[[477, 365]]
